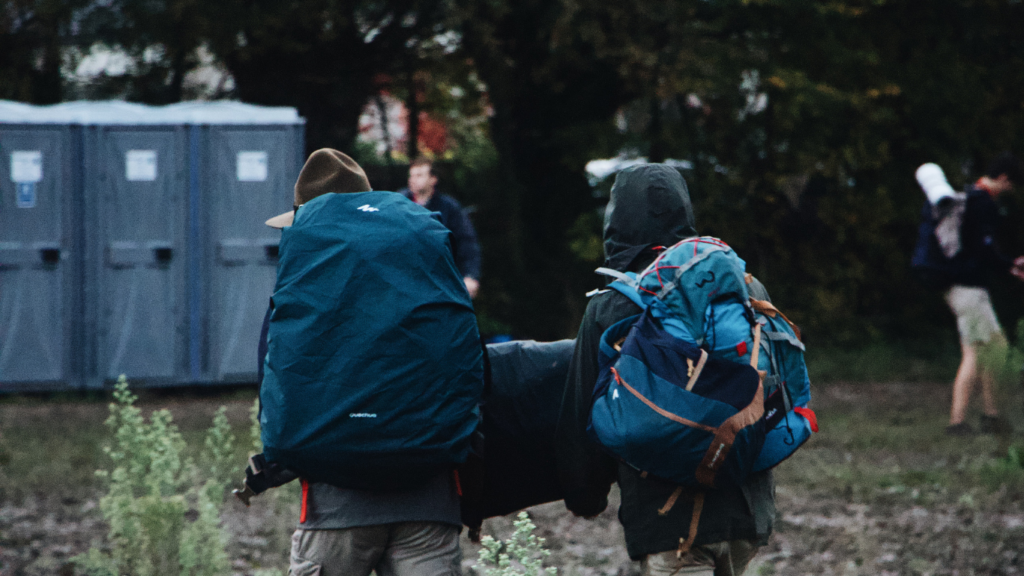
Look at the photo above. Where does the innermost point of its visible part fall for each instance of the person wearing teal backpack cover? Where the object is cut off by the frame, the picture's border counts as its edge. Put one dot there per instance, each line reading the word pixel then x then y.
pixel 649 210
pixel 373 377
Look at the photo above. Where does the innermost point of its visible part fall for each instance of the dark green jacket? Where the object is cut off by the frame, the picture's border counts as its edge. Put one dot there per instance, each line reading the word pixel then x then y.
pixel 650 207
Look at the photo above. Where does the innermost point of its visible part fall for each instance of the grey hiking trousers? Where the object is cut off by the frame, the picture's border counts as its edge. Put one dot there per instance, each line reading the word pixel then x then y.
pixel 400 549
pixel 717 559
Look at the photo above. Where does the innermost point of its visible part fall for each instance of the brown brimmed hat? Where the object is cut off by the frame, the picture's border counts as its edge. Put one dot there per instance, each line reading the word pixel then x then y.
pixel 326 170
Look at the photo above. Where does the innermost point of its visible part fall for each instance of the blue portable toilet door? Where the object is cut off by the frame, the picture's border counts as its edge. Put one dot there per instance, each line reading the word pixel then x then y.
pixel 249 176
pixel 139 188
pixel 38 268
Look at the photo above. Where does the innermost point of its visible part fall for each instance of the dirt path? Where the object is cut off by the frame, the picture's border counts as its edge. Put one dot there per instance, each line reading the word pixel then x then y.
pixel 880 491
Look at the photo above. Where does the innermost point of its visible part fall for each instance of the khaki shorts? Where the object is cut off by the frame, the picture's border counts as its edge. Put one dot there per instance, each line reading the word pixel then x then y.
pixel 401 549
pixel 717 559
pixel 975 319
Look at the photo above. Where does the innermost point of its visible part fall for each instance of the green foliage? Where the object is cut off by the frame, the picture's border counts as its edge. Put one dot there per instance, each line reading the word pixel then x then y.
pixel 803 121
pixel 1005 471
pixel 886 360
pixel 521 555
pixel 163 43
pixel 153 490
pixel 585 239
pixel 1002 361
pixel 218 451
pixel 281 501
pixel 33 34
pixel 326 58
pixel 255 435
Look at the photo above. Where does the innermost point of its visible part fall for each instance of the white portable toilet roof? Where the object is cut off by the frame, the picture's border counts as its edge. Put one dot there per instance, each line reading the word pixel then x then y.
pixel 117 112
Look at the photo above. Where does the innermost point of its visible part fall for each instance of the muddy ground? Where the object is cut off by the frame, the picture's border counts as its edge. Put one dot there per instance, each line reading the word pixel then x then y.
pixel 881 490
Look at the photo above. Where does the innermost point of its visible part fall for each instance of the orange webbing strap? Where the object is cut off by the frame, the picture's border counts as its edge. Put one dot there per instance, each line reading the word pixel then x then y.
pixel 658 409
pixel 671 501
pixel 725 435
pixel 698 498
pixel 697 370
pixel 698 507
pixel 757 345
pixel 768 309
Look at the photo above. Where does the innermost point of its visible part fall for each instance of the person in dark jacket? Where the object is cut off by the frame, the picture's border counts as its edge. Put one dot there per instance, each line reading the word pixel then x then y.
pixel 968 297
pixel 343 532
pixel 465 247
pixel 649 209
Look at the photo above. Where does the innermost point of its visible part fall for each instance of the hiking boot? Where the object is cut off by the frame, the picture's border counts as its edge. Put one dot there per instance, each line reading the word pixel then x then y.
pixel 995 425
pixel 962 429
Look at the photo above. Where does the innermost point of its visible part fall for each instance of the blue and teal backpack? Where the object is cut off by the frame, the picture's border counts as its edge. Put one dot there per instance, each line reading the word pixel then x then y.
pixel 707 384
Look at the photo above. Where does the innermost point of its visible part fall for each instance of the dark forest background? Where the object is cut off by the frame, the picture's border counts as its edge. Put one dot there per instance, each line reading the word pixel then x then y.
pixel 801 122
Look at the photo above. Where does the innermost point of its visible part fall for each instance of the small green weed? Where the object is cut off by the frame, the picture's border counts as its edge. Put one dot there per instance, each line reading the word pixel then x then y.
pixel 1008 470
pixel 162 509
pixel 1004 361
pixel 521 555
pixel 283 501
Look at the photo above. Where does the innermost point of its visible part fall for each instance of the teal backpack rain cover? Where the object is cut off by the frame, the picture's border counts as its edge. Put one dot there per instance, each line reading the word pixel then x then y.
pixel 374 369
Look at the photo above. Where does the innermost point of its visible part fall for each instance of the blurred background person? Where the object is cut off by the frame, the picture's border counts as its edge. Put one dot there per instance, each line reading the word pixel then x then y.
pixel 422 190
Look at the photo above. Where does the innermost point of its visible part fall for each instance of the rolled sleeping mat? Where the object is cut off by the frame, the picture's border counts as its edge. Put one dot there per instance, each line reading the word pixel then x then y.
pixel 933 181
pixel 517 467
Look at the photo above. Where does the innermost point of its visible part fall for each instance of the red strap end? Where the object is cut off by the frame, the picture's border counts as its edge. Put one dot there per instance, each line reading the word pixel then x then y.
pixel 458 485
pixel 809 414
pixel 305 501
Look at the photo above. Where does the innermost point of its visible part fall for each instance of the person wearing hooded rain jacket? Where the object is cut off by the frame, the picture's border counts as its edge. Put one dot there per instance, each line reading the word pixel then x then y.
pixel 650 208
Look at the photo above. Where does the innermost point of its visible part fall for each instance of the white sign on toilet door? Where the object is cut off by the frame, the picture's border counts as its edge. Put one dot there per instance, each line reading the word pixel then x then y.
pixel 140 165
pixel 26 166
pixel 252 166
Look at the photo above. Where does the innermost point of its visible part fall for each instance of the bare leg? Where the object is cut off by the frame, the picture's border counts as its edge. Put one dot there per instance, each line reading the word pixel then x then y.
pixel 963 384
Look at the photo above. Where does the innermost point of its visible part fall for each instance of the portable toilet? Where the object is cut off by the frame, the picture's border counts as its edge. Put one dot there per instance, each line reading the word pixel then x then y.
pixel 41 253
pixel 246 173
pixel 177 264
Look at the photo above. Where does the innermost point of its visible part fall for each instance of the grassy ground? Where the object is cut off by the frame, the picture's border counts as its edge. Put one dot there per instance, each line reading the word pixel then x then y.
pixel 881 490
pixel 934 360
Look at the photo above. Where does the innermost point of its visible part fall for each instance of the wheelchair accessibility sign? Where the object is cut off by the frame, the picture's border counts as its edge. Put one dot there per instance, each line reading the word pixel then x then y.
pixel 26 195
pixel 26 173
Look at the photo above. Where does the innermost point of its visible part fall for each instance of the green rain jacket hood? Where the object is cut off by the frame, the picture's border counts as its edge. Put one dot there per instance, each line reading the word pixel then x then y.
pixel 649 206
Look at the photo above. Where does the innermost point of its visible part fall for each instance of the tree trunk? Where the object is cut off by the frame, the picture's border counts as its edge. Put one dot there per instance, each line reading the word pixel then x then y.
pixel 382 109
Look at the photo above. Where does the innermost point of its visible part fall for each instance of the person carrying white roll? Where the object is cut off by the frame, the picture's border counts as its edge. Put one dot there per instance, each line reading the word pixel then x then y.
pixel 957 252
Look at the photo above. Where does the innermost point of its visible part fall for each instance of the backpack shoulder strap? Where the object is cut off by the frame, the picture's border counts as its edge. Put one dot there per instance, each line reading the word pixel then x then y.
pixel 625 277
pixel 629 292
pixel 625 284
